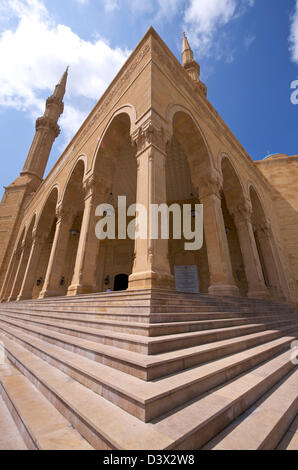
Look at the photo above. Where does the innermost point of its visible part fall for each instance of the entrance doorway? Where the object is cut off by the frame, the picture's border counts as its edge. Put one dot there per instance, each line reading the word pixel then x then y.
pixel 121 282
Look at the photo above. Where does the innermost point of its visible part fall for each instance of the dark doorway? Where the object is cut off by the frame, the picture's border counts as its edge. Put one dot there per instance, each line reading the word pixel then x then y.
pixel 121 282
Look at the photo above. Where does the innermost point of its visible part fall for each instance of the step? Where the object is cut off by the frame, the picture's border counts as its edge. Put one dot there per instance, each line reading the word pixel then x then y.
pixel 152 367
pixel 133 317
pixel 265 424
pixel 143 329
pixel 41 425
pixel 145 345
pixel 10 437
pixel 290 440
pixel 195 424
pixel 189 427
pixel 101 423
pixel 146 400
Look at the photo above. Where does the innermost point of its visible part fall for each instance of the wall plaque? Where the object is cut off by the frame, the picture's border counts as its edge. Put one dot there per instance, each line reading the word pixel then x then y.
pixel 187 279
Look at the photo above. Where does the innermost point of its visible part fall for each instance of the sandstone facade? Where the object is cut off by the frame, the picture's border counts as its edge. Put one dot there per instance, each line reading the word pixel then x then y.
pixel 154 137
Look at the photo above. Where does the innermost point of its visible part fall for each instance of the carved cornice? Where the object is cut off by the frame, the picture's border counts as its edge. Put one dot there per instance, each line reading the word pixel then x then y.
pixel 47 123
pixel 150 135
pixel 53 100
pixel 201 88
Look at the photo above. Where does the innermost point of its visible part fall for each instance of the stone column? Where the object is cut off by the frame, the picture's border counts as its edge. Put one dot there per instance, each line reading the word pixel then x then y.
pixel 20 272
pixel 83 281
pixel 151 264
pixel 57 257
pixel 269 251
pixel 222 281
pixel 253 269
pixel 30 272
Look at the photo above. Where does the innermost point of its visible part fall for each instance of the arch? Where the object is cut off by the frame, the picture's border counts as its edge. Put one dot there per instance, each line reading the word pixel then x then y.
pixel 21 238
pixel 233 195
pixel 182 121
pixel 259 213
pixel 31 226
pixel 233 186
pixel 12 268
pixel 77 166
pixel 49 205
pixel 127 110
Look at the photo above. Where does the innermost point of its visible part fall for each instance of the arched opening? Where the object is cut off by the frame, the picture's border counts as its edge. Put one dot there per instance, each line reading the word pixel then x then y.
pixel 73 206
pixel 260 226
pixel 231 197
pixel 46 227
pixel 116 167
pixel 13 267
pixel 187 154
pixel 120 282
pixel 23 261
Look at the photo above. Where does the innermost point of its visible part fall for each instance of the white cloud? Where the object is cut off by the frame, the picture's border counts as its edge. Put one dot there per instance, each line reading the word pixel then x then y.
pixel 249 40
pixel 167 8
pixel 294 35
pixel 111 5
pixel 34 55
pixel 204 20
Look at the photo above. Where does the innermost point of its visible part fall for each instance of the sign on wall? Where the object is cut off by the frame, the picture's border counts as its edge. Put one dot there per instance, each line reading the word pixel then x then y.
pixel 187 279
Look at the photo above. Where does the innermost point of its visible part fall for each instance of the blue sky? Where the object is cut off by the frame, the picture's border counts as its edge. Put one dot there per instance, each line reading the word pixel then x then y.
pixel 247 49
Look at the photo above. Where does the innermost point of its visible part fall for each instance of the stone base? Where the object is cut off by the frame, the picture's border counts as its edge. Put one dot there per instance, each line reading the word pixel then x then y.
pixel 78 289
pixel 24 297
pixel 259 295
pixel 151 280
pixel 224 291
pixel 48 294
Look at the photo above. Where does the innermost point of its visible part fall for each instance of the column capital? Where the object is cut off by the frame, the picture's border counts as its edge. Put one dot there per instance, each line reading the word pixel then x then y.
pixel 150 134
pixel 63 214
pixel 264 228
pixel 209 184
pixel 89 186
pixel 38 237
pixel 242 212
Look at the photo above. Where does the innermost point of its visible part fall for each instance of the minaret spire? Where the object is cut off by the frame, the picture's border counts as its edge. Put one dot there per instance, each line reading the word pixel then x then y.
pixel 61 86
pixel 188 62
pixel 191 66
pixel 47 130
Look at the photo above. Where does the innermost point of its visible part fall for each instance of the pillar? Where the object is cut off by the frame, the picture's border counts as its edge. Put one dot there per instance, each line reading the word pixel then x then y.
pixel 21 268
pixel 84 277
pixel 151 264
pixel 269 251
pixel 10 275
pixel 222 281
pixel 55 268
pixel 253 269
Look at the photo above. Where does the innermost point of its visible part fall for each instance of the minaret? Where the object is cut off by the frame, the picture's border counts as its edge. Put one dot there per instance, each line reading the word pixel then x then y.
pixel 191 66
pixel 47 130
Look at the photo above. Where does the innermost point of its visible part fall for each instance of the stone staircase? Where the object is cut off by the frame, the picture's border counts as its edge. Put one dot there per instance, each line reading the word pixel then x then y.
pixel 148 370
